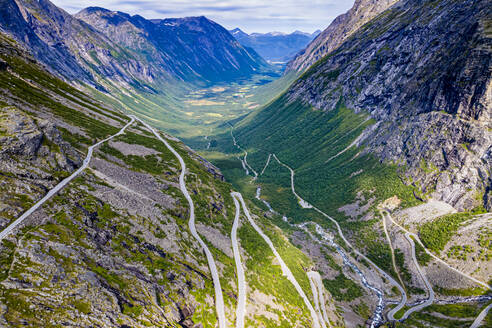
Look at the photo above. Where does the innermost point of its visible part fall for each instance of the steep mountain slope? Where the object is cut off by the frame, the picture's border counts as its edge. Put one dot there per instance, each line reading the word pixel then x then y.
pixel 339 30
pixel 275 47
pixel 420 74
pixel 113 247
pixel 147 67
pixel 47 31
pixel 190 48
pixel 143 55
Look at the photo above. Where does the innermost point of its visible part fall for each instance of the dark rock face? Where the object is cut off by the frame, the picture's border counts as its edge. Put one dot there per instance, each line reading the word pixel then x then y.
pixel 422 69
pixel 411 60
pixel 3 65
pixel 47 47
pixel 40 142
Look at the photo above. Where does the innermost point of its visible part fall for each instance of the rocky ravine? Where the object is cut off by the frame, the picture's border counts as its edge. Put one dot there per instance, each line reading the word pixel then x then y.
pixel 422 71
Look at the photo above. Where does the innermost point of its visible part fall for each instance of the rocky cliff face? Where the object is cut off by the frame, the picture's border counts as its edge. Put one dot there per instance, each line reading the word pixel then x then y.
pixel 48 47
pixel 67 46
pixel 339 30
pixel 422 70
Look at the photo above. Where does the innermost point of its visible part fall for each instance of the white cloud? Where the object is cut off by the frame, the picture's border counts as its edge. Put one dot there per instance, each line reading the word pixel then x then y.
pixel 250 15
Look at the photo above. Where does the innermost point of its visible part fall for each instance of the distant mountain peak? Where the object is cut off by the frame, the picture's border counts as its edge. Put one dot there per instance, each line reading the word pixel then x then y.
pixel 274 46
pixel 338 31
pixel 237 30
pixel 93 10
pixel 300 32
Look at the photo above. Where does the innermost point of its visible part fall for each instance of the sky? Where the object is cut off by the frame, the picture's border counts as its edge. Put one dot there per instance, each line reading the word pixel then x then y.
pixel 249 15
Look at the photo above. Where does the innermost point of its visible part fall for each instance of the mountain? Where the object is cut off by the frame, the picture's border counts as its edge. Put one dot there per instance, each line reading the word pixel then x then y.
pixel 113 247
pixel 190 48
pixel 411 88
pixel 365 183
pixel 339 30
pixel 112 49
pixel 275 46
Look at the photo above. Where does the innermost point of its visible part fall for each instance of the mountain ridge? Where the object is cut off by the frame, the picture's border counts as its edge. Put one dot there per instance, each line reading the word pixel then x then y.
pixel 339 30
pixel 91 55
pixel 275 46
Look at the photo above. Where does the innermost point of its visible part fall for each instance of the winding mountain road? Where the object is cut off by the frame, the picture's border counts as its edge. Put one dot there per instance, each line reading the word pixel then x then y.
pixel 306 205
pixel 219 300
pixel 285 269
pixel 244 161
pixel 393 259
pixel 5 232
pixel 408 235
pixel 481 283
pixel 319 297
pixel 241 281
pixel 266 164
pixel 478 321
pixel 431 294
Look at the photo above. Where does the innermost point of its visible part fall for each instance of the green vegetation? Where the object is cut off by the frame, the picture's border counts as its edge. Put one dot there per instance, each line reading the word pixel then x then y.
pixel 309 141
pixel 83 307
pixel 343 288
pixel 485 242
pixel 422 257
pixel 35 93
pixel 263 276
pixel 474 291
pixel 435 234
pixel 156 164
pixel 132 310
pixel 7 250
pixel 464 310
pixel 405 274
pixel 460 252
pixel 76 140
pixel 418 318
pixel 444 316
pixel 151 163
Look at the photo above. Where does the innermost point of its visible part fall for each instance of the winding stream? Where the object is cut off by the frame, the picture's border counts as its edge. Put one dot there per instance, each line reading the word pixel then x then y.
pixel 378 312
pixel 377 317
